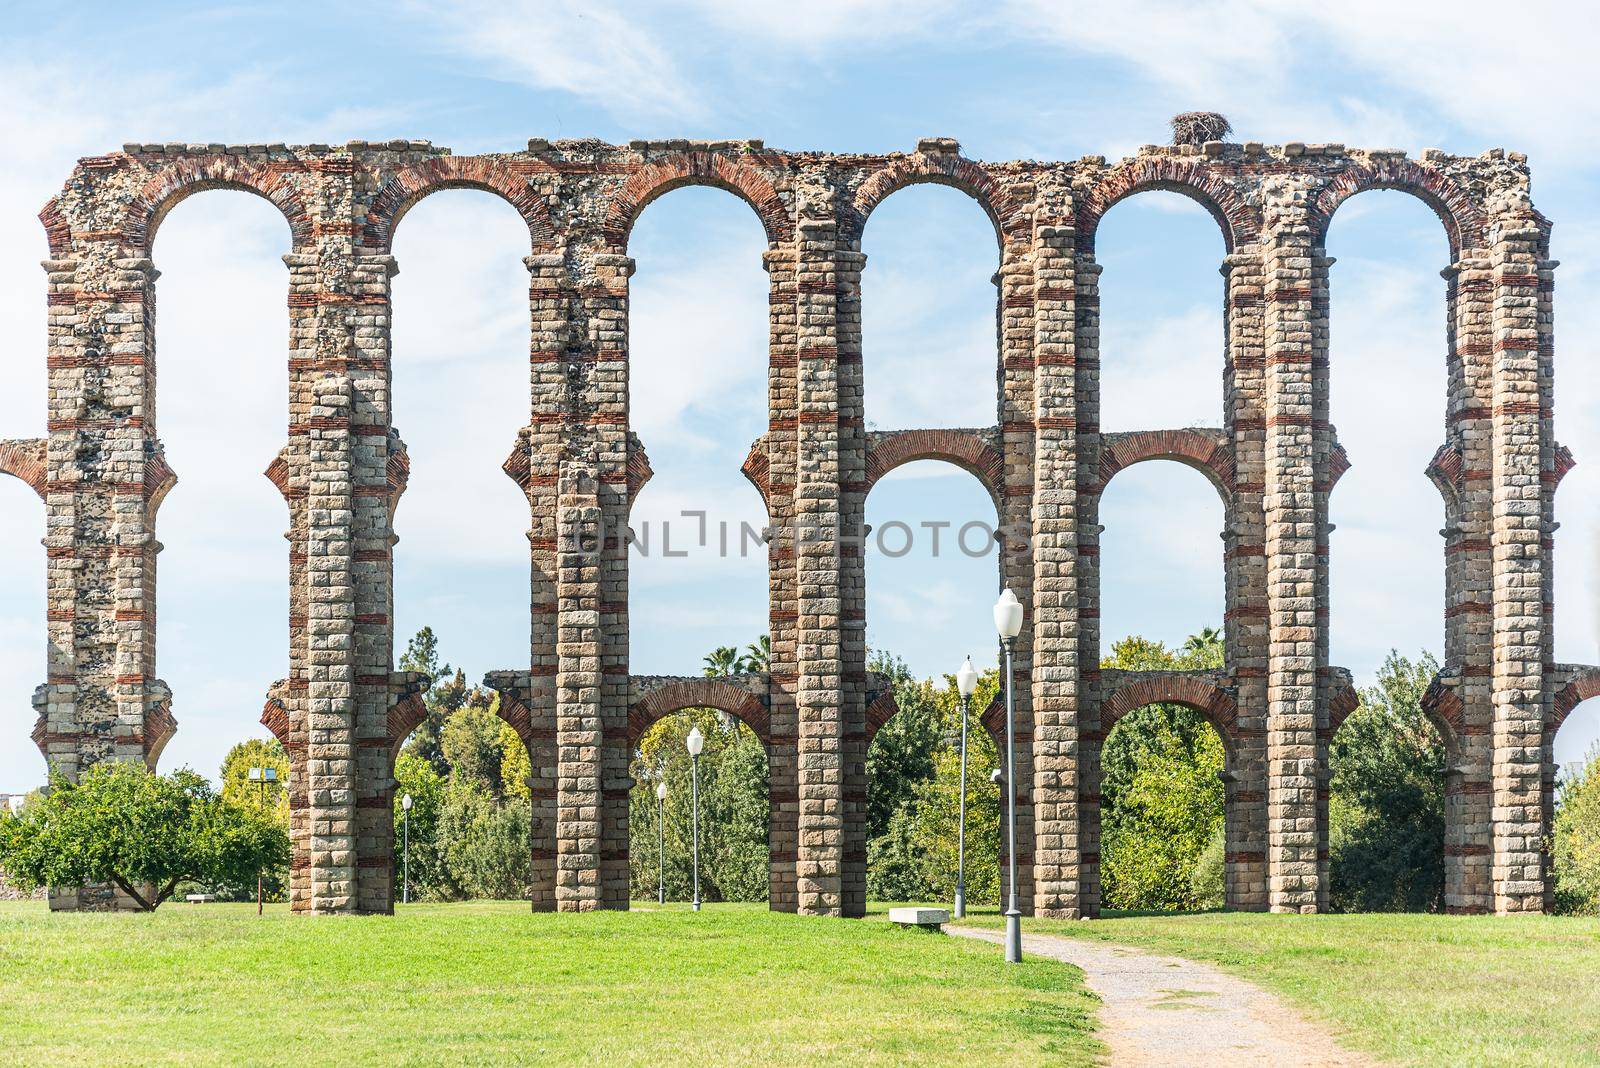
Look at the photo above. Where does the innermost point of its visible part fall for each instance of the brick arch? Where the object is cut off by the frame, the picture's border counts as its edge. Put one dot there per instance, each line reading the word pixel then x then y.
pixel 757 468
pixel 1345 700
pixel 406 187
pixel 1441 703
pixel 1240 222
pixel 970 450
pixel 1178 688
pixel 715 169
pixel 25 460
pixel 1463 223
pixel 880 711
pixel 1009 218
pixel 1584 686
pixel 1207 451
pixel 179 179
pixel 699 693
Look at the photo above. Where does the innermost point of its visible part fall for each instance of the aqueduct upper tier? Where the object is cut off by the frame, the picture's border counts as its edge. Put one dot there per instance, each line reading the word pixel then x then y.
pixel 1273 456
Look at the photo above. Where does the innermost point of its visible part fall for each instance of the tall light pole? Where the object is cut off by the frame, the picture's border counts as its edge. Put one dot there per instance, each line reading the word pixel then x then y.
pixel 661 826
pixel 1008 623
pixel 262 775
pixel 696 742
pixel 966 682
pixel 405 851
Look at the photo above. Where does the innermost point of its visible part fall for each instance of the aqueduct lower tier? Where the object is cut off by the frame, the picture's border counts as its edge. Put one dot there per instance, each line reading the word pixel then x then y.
pixel 1274 459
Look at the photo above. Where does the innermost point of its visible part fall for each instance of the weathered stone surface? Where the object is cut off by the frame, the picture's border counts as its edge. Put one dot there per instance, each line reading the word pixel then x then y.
pixel 1274 460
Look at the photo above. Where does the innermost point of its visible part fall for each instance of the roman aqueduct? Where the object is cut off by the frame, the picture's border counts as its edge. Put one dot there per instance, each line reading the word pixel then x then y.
pixel 1274 460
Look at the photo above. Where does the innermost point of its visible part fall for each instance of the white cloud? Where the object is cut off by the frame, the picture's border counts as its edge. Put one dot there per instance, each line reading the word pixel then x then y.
pixel 599 54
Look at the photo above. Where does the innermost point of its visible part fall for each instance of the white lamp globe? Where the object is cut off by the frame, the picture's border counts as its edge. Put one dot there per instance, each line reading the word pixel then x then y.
pixel 696 741
pixel 405 802
pixel 967 678
pixel 661 791
pixel 1008 615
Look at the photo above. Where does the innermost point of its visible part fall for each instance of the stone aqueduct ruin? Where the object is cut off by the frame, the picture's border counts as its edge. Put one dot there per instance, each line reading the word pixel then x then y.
pixel 1274 460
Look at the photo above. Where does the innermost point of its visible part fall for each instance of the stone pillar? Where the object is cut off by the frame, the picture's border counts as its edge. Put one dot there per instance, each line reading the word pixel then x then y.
pixel 1066 847
pixel 1245 626
pixel 852 474
pixel 819 696
pixel 1520 432
pixel 579 710
pixel 105 474
pixel 1293 526
pixel 778 462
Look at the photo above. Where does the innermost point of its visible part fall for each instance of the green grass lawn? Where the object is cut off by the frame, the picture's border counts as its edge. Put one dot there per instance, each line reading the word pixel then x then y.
pixel 1436 990
pixel 493 983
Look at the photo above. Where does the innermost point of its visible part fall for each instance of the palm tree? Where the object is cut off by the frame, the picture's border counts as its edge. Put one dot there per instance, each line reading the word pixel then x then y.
pixel 758 655
pixel 1205 647
pixel 723 660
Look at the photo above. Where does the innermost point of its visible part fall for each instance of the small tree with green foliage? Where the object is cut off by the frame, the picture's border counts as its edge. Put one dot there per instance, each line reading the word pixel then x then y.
pixel 1576 846
pixel 1386 797
pixel 142 832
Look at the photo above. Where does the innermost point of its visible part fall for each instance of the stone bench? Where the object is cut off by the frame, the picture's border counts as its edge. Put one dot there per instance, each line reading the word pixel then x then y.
pixel 199 899
pixel 930 919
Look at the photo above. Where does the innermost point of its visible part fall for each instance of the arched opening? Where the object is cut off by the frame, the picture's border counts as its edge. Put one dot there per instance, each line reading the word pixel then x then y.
pixel 929 311
pixel 697 575
pixel 464 756
pixel 1392 774
pixel 1161 326
pixel 1574 820
pixel 460 395
pixel 1181 809
pixel 931 567
pixel 734 810
pixel 1387 584
pixel 222 341
pixel 697 372
pixel 22 629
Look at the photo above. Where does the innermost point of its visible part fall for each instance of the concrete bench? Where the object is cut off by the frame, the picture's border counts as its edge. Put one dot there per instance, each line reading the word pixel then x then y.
pixel 932 919
pixel 199 899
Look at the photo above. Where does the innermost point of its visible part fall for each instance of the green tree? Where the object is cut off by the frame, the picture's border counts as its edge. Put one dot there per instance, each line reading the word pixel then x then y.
pixel 1576 847
pixel 758 654
pixel 1386 797
pixel 447 692
pixel 474 745
pixel 430 876
pixel 723 660
pixel 733 809
pixel 271 798
pixel 142 832
pixel 916 857
pixel 1161 797
pixel 901 755
pixel 485 842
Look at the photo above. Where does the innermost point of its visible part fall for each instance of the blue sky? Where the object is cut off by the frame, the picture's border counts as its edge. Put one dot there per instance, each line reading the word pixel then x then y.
pixel 1009 79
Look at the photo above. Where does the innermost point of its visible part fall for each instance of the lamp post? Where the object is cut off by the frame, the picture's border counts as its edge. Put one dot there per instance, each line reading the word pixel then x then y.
pixel 405 850
pixel 1008 624
pixel 661 826
pixel 262 775
pixel 966 682
pixel 696 742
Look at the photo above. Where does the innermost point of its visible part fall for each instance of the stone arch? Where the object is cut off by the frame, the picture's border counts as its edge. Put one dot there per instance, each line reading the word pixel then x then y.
pixel 177 180
pixel 715 169
pixel 1584 685
pixel 1192 691
pixel 408 186
pixel 1206 451
pixel 1463 223
pixel 25 460
pixel 1010 219
pixel 1239 221
pixel 676 695
pixel 974 451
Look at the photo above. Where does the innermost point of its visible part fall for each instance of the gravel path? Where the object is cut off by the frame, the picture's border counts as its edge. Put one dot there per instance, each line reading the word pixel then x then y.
pixel 1167 1011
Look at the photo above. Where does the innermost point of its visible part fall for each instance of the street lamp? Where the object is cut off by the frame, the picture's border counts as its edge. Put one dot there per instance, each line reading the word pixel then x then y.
pixel 696 742
pixel 966 682
pixel 1008 624
pixel 405 850
pixel 661 826
pixel 262 775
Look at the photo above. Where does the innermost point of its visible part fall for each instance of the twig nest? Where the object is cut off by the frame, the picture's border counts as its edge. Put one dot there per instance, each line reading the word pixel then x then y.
pixel 1198 127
